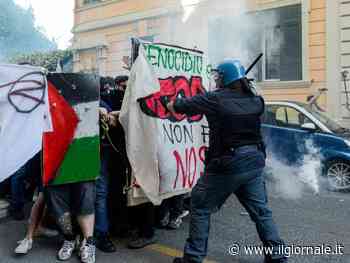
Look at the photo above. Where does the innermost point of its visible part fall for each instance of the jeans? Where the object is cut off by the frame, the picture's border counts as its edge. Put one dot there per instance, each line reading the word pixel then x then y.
pixel 18 189
pixel 101 205
pixel 239 173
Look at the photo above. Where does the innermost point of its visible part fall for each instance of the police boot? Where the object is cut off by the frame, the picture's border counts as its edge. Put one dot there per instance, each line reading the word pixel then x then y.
pixel 276 254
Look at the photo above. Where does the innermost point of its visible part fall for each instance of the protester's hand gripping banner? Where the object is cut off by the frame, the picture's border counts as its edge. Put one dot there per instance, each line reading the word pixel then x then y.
pixel 71 150
pixel 166 151
pixel 24 115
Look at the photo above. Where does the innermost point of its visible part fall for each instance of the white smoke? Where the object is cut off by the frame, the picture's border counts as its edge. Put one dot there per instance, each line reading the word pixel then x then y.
pixel 189 7
pixel 2 56
pixel 291 182
pixel 220 28
pixel 229 29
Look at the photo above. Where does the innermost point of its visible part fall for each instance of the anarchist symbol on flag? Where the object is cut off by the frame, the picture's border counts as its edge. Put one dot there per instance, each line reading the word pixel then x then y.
pixel 25 115
pixel 27 87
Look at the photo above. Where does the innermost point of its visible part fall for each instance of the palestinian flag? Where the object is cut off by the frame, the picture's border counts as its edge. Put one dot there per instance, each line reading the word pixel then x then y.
pixel 71 150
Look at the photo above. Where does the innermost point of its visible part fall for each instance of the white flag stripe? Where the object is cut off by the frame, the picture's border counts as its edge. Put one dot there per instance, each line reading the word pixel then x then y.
pixel 88 125
pixel 20 133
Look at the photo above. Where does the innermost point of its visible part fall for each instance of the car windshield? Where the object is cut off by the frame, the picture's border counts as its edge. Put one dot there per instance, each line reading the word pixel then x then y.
pixel 322 117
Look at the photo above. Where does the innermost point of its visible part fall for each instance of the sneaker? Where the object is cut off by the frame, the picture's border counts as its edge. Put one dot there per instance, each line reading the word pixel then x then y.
pixel 141 242
pixel 105 244
pixel 184 214
pixel 88 251
pixel 67 250
pixel 24 246
pixel 175 223
pixel 46 232
pixel 275 256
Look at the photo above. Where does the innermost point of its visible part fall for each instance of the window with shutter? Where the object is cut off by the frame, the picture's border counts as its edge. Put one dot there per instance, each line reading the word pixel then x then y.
pixel 275 32
pixel 291 44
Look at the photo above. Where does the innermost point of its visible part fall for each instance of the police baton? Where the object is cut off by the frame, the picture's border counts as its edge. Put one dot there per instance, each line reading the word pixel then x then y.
pixel 254 63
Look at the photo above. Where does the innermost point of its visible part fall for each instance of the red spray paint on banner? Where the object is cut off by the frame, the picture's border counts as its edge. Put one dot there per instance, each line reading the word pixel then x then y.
pixel 186 166
pixel 172 88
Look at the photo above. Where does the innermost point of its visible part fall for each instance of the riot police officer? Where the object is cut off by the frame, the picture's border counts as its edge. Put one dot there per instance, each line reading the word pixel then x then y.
pixel 234 161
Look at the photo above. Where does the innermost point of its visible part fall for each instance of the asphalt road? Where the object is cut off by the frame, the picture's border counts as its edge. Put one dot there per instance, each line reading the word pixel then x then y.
pixel 311 220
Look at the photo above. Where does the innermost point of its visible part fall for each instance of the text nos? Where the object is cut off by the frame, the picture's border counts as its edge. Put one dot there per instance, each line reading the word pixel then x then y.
pixel 189 166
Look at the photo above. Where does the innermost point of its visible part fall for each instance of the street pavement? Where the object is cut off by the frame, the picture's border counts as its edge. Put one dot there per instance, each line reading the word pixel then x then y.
pixel 311 220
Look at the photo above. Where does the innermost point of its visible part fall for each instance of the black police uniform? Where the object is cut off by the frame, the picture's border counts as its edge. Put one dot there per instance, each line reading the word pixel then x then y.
pixel 234 164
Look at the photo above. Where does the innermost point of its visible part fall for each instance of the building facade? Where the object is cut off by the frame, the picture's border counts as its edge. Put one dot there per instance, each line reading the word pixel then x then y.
pixel 306 42
pixel 338 59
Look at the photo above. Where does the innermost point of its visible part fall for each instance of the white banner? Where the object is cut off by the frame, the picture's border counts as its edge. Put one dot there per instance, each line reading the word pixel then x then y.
pixel 24 115
pixel 166 151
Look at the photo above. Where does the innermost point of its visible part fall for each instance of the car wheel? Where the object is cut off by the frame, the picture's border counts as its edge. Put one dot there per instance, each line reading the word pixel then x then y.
pixel 338 175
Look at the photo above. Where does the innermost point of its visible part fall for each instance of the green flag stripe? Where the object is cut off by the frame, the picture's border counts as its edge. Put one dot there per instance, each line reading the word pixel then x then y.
pixel 81 163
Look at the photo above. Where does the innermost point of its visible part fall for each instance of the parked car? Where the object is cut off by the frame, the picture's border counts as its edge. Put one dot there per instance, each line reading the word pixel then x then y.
pixel 288 125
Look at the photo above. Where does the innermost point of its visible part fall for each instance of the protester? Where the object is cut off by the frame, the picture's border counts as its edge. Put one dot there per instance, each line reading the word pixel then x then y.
pixel 103 242
pixel 234 161
pixel 120 214
pixel 118 95
pixel 35 226
pixel 107 89
pixel 69 202
pixel 121 82
pixel 17 201
pixel 144 223
pixel 22 184
pixel 38 212
pixel 143 226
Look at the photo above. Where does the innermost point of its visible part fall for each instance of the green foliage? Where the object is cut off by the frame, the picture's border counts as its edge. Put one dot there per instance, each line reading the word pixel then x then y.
pixel 46 60
pixel 18 33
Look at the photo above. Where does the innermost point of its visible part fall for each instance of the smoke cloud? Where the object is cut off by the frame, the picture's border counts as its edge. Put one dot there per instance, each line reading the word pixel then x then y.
pixel 291 182
pixel 221 28
pixel 230 29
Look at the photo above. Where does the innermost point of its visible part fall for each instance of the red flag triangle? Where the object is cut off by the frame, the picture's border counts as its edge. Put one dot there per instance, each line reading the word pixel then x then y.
pixel 56 143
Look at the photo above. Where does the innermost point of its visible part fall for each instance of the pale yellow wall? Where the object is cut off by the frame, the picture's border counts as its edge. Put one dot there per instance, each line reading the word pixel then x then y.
pixel 297 94
pixel 87 62
pixel 112 8
pixel 117 39
pixel 317 45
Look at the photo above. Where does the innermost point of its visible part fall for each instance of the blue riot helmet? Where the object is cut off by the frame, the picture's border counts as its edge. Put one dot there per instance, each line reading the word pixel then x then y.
pixel 229 71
